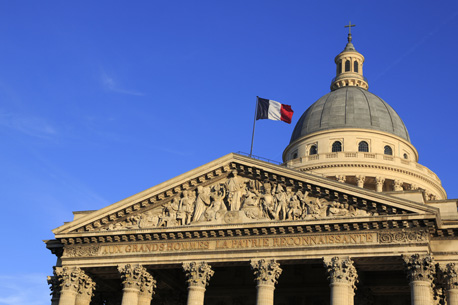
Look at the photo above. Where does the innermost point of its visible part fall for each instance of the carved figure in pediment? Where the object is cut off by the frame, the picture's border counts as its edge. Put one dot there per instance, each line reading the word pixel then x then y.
pixel 149 219
pixel 217 208
pixel 169 213
pixel 186 207
pixel 267 201
pixel 251 205
pixel 280 198
pixel 234 187
pixel 132 222
pixel 337 209
pixel 316 208
pixel 294 208
pixel 203 202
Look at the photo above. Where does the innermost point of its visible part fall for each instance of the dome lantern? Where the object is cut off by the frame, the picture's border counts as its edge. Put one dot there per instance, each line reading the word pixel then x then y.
pixel 349 70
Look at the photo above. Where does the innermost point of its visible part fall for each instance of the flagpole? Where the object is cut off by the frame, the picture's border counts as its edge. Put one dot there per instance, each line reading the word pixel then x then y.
pixel 254 124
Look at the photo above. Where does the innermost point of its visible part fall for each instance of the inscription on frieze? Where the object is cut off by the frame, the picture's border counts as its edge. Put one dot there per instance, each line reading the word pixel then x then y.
pixel 225 244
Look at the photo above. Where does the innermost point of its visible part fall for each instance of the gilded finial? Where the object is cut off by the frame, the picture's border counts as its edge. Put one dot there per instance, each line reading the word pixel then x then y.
pixel 349 26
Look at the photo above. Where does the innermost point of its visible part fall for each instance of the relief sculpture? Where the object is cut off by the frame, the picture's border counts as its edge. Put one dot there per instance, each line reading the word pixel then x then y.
pixel 239 199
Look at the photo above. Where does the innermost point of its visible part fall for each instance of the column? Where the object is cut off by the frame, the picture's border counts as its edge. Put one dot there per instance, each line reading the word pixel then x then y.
pixel 53 280
pixel 397 185
pixel 341 178
pixel 343 278
pixel 68 278
pixel 379 183
pixel 360 180
pixel 86 289
pixel 131 277
pixel 450 273
pixel 266 274
pixel 420 272
pixel 198 275
pixel 146 289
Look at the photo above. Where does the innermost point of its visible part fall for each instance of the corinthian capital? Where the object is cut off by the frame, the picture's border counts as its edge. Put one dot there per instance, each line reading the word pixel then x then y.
pixel 131 275
pixel 419 267
pixel 86 286
pixel 69 277
pixel 266 272
pixel 54 283
pixel 341 270
pixel 148 284
pixel 198 273
pixel 450 274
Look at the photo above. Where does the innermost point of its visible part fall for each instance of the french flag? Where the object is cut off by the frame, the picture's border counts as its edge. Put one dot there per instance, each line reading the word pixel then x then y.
pixel 272 110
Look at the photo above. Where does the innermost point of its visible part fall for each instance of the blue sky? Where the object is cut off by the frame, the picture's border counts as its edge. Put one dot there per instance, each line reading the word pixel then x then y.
pixel 100 100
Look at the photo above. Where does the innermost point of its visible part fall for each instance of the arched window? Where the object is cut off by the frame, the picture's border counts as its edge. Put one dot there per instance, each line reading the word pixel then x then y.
pixel 313 150
pixel 405 156
pixel 363 146
pixel 336 146
pixel 340 68
pixel 355 67
pixel 295 155
pixel 388 150
pixel 347 65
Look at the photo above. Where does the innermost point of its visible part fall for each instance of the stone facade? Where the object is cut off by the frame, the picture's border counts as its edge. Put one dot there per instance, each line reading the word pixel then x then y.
pixel 340 228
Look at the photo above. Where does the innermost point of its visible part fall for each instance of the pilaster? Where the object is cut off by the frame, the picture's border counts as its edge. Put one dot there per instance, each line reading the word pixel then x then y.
pixel 198 275
pixel 397 185
pixel 343 278
pixel 341 178
pixel 266 274
pixel 420 273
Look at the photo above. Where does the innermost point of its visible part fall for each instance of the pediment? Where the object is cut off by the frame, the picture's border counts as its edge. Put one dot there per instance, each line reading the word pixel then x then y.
pixel 235 190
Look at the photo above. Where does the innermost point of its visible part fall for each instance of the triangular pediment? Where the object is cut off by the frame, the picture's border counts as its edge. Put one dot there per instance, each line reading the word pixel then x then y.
pixel 235 190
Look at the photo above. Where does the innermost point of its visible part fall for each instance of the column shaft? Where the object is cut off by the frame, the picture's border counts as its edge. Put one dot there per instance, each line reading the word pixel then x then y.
pixel 144 300
pixel 265 294
pixel 339 293
pixel 452 296
pixel 196 295
pixel 67 297
pixel 129 296
pixel 83 300
pixel 420 293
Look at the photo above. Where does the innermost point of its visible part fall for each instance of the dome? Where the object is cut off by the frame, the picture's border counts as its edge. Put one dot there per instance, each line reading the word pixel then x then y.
pixel 350 107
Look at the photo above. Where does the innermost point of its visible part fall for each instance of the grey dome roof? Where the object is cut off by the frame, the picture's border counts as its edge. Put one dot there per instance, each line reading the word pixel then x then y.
pixel 350 107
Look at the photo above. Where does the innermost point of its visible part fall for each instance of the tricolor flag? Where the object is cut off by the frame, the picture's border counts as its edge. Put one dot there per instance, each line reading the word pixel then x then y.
pixel 272 110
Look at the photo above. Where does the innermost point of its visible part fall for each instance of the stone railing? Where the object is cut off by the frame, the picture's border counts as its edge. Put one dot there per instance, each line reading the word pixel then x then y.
pixel 366 158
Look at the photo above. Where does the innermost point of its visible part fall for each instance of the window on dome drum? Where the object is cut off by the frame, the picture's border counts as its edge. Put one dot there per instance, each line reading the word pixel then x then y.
pixel 295 155
pixel 340 68
pixel 355 66
pixel 388 150
pixel 363 146
pixel 313 150
pixel 405 156
pixel 336 146
pixel 347 65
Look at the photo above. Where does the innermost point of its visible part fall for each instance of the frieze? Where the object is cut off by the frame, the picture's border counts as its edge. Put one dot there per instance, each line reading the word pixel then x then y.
pixel 403 236
pixel 74 251
pixel 241 200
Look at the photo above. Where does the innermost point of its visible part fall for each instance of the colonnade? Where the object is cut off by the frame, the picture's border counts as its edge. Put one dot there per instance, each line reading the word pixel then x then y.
pixel 72 286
